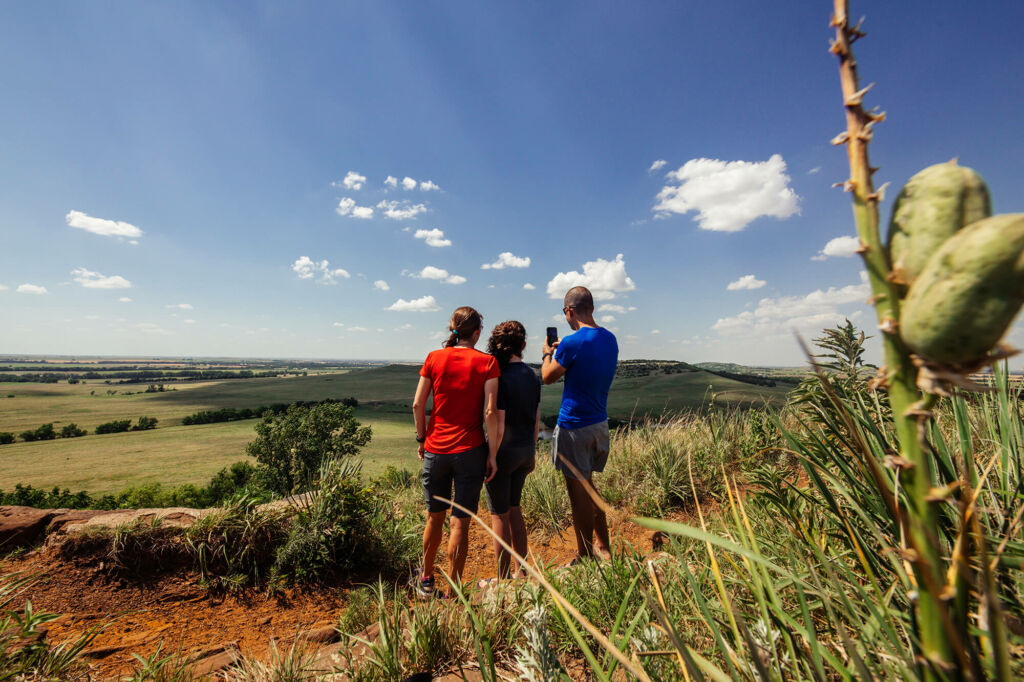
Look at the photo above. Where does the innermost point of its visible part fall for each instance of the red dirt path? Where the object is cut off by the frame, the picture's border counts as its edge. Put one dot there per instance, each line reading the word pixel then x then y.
pixel 177 611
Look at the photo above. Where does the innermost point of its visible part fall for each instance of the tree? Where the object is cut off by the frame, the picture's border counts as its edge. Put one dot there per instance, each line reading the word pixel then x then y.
pixel 6 437
pixel 72 431
pixel 290 447
pixel 145 424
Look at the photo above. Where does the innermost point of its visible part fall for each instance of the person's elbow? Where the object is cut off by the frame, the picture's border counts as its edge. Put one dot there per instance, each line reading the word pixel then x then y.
pixel 418 405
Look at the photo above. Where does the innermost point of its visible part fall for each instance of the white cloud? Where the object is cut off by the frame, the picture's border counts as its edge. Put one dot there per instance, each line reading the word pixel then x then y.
pixel 352 181
pixel 124 299
pixel 31 289
pixel 94 280
pixel 150 328
pixel 391 181
pixel 306 268
pixel 3 287
pixel 425 304
pixel 840 247
pixel 180 306
pixel 657 166
pixel 611 308
pixel 401 210
pixel 606 319
pixel 746 282
pixel 440 274
pixel 404 327
pixel 529 287
pixel 728 195
pixel 101 226
pixel 382 285
pixel 408 183
pixel 358 329
pixel 507 259
pixel 434 237
pixel 189 321
pixel 429 186
pixel 338 324
pixel 655 332
pixel 809 313
pixel 604 279
pixel 815 170
pixel 347 207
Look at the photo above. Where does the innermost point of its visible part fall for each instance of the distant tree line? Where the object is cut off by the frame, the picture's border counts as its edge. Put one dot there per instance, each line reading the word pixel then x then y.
pixel 72 430
pixel 231 414
pixel 49 376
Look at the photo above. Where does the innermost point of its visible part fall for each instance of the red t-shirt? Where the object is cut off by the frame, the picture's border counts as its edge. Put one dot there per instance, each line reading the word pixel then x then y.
pixel 457 376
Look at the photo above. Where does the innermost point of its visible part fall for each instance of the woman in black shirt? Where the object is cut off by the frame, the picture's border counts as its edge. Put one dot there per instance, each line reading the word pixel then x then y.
pixel 519 410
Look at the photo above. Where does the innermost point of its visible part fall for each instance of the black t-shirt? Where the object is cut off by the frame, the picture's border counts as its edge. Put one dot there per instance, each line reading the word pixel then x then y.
pixel 518 395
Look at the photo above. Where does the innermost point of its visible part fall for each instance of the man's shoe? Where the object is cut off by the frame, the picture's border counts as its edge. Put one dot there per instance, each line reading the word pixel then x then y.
pixel 424 587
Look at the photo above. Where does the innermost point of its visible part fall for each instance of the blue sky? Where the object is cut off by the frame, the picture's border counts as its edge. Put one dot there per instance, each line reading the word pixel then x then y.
pixel 192 157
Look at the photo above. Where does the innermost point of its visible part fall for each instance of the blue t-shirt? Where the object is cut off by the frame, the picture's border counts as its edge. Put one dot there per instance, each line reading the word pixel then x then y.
pixel 589 356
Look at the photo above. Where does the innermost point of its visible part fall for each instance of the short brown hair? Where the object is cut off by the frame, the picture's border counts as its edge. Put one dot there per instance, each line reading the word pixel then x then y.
pixel 580 299
pixel 507 339
pixel 463 324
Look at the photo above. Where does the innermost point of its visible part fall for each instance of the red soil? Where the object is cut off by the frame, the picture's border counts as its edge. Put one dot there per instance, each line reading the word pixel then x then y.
pixel 185 617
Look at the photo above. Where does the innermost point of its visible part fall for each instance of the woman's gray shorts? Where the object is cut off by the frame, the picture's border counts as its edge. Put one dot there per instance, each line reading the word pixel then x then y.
pixel 586 448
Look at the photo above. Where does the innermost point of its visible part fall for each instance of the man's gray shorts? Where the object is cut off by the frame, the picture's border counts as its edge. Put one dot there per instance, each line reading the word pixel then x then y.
pixel 585 448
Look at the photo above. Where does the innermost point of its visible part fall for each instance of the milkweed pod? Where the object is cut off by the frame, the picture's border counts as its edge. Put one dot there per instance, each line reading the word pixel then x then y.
pixel 968 293
pixel 934 205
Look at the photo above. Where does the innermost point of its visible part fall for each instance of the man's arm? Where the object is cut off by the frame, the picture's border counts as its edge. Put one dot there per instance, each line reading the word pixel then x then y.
pixel 419 411
pixel 550 370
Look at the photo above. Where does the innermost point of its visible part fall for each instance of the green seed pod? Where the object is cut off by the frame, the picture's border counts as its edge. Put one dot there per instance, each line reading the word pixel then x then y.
pixel 933 206
pixel 968 293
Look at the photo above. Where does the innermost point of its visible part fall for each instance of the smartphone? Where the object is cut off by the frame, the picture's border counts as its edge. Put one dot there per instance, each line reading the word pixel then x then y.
pixel 552 335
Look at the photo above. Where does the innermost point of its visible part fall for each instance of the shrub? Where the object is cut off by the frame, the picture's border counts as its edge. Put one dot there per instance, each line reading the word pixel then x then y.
pixel 116 426
pixel 290 448
pixel 6 437
pixel 145 424
pixel 72 431
pixel 44 432
pixel 237 542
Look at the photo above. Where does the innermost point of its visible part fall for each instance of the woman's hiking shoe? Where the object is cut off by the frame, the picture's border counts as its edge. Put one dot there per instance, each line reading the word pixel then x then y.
pixel 423 587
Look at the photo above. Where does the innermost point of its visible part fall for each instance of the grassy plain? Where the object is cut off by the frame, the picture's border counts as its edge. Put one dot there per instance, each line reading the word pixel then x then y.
pixel 173 454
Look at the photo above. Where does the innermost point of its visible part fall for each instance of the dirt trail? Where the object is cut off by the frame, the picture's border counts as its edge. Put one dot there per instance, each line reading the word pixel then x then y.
pixel 177 611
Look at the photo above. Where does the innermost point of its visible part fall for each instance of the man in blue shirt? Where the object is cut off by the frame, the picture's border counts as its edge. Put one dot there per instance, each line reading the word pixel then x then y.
pixel 587 359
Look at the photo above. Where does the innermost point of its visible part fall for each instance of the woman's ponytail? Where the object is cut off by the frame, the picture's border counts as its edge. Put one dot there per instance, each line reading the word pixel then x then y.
pixel 462 325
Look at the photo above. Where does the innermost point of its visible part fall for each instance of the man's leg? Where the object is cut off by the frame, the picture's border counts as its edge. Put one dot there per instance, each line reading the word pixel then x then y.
pixel 500 526
pixel 603 546
pixel 458 546
pixel 517 528
pixel 582 516
pixel 432 541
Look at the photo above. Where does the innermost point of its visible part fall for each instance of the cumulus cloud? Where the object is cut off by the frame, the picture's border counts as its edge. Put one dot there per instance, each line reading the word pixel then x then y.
pixel 408 183
pixel 604 279
pixel 611 308
pixel 347 207
pixel 429 186
pixel 840 247
pixel 3 287
pixel 728 195
pixel 655 332
pixel 657 166
pixel 401 210
pixel 529 287
pixel 507 259
pixel 810 313
pixel 124 299
pixel 306 268
pixel 338 324
pixel 425 304
pixel 352 181
pixel 440 274
pixel 606 319
pixel 382 285
pixel 101 226
pixel 31 289
pixel 94 280
pixel 391 181
pixel 180 306
pixel 358 329
pixel 434 237
pixel 746 282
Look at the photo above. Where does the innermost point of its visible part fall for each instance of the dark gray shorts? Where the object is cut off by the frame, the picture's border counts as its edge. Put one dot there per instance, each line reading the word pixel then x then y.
pixel 506 488
pixel 463 469
pixel 586 448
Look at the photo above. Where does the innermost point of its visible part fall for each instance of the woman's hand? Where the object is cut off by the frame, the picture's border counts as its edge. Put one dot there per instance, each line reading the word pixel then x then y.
pixel 492 468
pixel 420 449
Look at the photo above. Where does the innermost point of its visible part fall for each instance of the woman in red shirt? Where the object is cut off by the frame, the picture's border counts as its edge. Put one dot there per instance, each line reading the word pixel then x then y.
pixel 452 446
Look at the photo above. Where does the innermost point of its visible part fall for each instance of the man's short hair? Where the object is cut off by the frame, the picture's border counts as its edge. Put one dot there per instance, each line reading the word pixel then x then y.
pixel 580 299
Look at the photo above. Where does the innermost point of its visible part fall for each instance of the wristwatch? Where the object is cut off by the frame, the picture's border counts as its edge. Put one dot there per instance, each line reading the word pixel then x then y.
pixel 421 439
pixel 546 355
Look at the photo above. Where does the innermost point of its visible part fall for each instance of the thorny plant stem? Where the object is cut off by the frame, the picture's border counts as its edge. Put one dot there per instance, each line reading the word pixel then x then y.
pixel 933 624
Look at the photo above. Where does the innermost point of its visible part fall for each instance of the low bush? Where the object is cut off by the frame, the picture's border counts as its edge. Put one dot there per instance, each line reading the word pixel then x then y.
pixel 72 430
pixel 6 437
pixel 44 432
pixel 145 424
pixel 116 426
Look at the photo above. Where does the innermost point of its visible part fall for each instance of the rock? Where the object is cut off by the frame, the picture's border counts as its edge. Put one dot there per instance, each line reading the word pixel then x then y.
pixel 323 635
pixel 102 651
pixel 213 664
pixel 22 526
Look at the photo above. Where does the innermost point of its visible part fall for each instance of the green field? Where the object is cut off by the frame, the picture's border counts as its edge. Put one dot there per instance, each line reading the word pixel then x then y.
pixel 173 454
